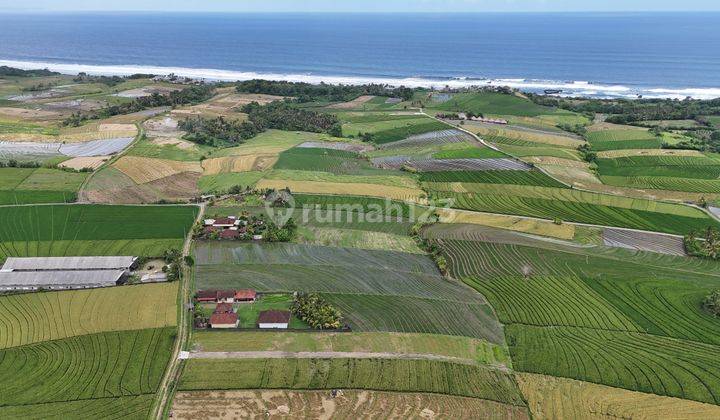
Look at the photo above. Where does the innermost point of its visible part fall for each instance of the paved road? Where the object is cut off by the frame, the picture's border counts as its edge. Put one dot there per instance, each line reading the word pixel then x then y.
pixel 325 355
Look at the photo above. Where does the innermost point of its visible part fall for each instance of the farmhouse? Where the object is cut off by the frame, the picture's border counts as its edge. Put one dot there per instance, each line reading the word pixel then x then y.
pixel 274 319
pixel 225 296
pixel 223 308
pixel 245 295
pixel 224 320
pixel 57 273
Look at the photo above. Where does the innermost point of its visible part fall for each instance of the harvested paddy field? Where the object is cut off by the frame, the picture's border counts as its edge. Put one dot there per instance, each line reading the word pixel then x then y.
pixel 355 238
pixel 180 187
pixel 80 163
pixel 244 163
pixel 351 404
pixel 142 170
pixel 554 398
pixel 369 374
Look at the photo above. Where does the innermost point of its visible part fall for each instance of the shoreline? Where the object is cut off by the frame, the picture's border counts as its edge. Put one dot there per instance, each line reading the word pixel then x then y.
pixel 569 88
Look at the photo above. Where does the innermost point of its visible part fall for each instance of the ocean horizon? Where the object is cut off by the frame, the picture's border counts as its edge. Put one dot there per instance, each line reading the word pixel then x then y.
pixel 656 55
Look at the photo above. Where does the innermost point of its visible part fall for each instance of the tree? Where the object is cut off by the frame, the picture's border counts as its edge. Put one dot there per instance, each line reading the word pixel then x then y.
pixel 711 303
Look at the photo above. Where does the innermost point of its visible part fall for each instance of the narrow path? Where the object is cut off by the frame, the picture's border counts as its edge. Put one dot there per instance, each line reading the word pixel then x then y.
pixel 172 373
pixel 326 355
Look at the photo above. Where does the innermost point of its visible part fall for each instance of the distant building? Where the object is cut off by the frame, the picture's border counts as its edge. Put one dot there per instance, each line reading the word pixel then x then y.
pixel 224 320
pixel 204 296
pixel 225 296
pixel 58 273
pixel 245 295
pixel 274 319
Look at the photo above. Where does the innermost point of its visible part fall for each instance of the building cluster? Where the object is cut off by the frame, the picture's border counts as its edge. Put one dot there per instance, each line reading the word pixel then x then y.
pixel 234 228
pixel 464 116
pixel 57 273
pixel 224 315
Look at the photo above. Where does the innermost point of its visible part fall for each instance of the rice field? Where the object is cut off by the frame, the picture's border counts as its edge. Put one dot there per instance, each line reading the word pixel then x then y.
pixel 111 364
pixel 340 188
pixel 470 349
pixel 691 185
pixel 638 362
pixel 352 404
pixel 522 136
pixel 67 227
pixel 324 160
pixel 130 407
pixel 393 130
pixel 35 317
pixel 14 150
pixel 494 104
pixel 355 238
pixel 555 398
pixel 38 185
pixel 370 374
pixel 143 170
pixel 463 223
pixel 441 165
pixel 644 241
pixel 509 177
pixel 438 136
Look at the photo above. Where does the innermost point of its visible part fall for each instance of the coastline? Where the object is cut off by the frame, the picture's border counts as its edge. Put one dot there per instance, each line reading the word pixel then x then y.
pixel 568 88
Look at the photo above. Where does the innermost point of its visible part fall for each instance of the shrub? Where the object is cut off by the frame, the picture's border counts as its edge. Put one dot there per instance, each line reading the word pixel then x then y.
pixel 711 303
pixel 316 312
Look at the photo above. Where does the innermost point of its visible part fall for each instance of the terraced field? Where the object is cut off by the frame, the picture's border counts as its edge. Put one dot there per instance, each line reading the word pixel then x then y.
pixel 621 139
pixel 393 130
pixel 130 407
pixel 492 177
pixel 325 160
pixel 370 374
pixel 639 362
pixel 438 136
pixel 65 227
pixel 36 317
pixel 92 366
pixel 553 398
pixel 441 165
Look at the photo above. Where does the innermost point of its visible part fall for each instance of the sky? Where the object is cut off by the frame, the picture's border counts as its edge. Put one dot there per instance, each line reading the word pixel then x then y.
pixel 359 5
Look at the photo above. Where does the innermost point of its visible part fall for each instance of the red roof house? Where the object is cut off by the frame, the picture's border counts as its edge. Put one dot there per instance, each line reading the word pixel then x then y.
pixel 245 295
pixel 223 308
pixel 206 295
pixel 273 319
pixel 227 296
pixel 224 320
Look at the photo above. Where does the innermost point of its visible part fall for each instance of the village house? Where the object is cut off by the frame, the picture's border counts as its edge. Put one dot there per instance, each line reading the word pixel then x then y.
pixel 223 308
pixel 224 320
pixel 274 319
pixel 223 296
pixel 245 295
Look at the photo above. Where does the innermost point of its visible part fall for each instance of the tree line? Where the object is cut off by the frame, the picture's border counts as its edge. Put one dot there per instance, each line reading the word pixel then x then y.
pixel 307 92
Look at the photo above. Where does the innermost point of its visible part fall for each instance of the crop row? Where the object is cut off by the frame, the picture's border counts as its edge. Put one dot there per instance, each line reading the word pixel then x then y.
pixel 371 374
pixel 130 407
pixel 92 366
pixel 35 317
pixel 492 177
pixel 665 183
pixel 140 247
pixel 639 362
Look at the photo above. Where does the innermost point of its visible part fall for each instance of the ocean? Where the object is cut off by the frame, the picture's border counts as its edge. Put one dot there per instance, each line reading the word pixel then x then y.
pixel 671 55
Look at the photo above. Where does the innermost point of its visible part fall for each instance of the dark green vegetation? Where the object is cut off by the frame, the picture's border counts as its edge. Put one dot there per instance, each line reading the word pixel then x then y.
pixel 375 374
pixel 316 311
pixel 57 230
pixel 492 177
pixel 705 244
pixel 611 316
pixel 14 72
pixel 711 303
pixel 306 92
pixel 87 367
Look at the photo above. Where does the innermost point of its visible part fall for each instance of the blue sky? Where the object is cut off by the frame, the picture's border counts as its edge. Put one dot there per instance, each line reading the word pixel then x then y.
pixel 361 5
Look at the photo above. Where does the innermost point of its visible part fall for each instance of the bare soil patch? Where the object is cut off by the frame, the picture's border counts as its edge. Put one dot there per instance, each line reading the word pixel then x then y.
pixel 354 103
pixel 143 170
pixel 79 163
pixel 178 187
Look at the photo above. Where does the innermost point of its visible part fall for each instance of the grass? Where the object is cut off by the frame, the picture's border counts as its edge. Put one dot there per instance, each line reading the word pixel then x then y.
pixel 370 374
pixel 492 177
pixel 34 317
pixel 248 312
pixel 110 364
pixel 639 362
pixel 480 351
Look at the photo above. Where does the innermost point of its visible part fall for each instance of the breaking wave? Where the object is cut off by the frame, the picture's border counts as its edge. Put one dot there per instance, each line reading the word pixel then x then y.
pixel 567 88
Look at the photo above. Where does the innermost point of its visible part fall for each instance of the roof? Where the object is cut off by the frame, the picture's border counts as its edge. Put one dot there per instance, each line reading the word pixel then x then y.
pixel 224 221
pixel 274 317
pixel 245 294
pixel 225 294
pixel 207 294
pixel 229 318
pixel 223 308
pixel 88 278
pixel 226 234
pixel 69 263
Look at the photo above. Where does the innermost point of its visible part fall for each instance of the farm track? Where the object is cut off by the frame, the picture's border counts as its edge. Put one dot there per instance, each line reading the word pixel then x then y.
pixel 172 374
pixel 325 355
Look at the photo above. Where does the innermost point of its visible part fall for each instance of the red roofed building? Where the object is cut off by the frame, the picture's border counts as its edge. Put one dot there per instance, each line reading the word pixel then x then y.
pixel 223 308
pixel 206 295
pixel 245 295
pixel 224 222
pixel 224 320
pixel 274 319
pixel 225 296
